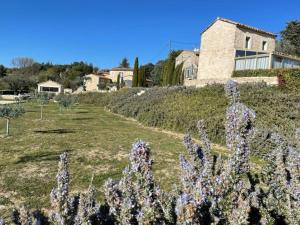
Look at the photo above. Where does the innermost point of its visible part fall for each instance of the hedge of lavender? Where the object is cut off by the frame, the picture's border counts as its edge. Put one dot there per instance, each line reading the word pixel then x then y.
pixel 213 190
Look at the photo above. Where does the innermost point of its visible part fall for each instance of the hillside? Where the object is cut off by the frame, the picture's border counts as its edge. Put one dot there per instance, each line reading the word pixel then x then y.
pixel 178 109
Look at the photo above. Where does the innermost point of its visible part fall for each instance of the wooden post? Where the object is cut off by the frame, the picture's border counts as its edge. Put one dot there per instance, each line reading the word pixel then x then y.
pixel 7 126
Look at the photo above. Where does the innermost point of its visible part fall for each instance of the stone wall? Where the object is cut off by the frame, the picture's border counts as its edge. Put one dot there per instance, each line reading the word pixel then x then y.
pixel 256 40
pixel 217 51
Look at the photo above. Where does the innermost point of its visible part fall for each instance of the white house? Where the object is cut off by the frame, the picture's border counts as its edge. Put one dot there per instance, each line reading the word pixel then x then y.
pixel 51 87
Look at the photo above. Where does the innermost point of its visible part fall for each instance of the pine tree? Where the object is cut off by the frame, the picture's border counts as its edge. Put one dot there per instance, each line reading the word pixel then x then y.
pixel 135 72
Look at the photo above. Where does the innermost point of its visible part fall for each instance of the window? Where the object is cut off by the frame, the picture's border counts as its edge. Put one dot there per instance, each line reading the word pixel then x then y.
pixel 49 89
pixel 248 43
pixel 264 46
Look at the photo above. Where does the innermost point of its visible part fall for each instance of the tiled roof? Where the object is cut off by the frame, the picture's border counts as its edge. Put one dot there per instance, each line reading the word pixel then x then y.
pixel 241 26
pixel 121 69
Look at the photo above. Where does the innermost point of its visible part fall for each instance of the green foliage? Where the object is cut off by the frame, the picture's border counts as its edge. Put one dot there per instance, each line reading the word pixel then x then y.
pixel 118 82
pixel 178 75
pixel 19 83
pixel 178 109
pixel 157 72
pixel 135 73
pixel 290 42
pixel 142 77
pixel 289 78
pixel 3 71
pixel 124 63
pixel 169 75
pixel 66 101
pixel 11 111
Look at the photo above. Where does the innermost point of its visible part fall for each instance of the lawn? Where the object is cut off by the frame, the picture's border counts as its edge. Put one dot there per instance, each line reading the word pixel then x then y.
pixel 97 141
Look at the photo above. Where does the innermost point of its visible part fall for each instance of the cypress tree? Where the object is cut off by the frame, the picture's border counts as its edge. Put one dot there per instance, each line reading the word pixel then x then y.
pixel 135 73
pixel 142 77
pixel 118 81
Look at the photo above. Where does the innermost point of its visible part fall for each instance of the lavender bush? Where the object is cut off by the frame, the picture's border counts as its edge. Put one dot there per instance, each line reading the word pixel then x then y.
pixel 213 190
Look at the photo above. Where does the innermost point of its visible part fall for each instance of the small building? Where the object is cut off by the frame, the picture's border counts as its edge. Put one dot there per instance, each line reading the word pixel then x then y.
pixel 125 73
pixel 96 82
pixel 50 87
pixel 189 60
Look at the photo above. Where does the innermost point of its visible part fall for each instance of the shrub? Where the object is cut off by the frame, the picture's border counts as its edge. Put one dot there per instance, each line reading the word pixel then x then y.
pixel 10 111
pixel 65 101
pixel 289 78
pixel 212 191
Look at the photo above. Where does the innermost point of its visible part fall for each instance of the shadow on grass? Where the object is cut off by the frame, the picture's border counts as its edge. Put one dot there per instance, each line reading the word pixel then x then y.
pixel 55 131
pixel 82 112
pixel 41 156
pixel 85 118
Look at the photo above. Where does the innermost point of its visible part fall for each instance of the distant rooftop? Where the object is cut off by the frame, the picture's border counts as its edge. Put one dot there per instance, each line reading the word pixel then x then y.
pixel 121 69
pixel 241 26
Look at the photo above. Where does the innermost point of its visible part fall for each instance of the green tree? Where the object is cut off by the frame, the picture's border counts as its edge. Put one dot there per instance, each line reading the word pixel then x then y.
pixel 118 82
pixel 3 71
pixel 10 111
pixel 124 63
pixel 122 84
pixel 157 72
pixel 290 41
pixel 178 75
pixel 43 99
pixel 135 73
pixel 65 101
pixel 142 77
pixel 169 68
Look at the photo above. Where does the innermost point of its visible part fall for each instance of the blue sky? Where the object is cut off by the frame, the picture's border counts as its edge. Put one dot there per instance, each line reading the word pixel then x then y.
pixel 103 32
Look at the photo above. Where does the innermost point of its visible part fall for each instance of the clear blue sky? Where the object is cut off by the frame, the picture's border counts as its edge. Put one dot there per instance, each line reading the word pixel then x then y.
pixel 102 32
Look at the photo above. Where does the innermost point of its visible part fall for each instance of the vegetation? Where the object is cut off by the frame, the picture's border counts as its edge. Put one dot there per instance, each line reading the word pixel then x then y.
pixel 135 78
pixel 169 76
pixel 289 78
pixel 27 73
pixel 179 108
pixel 43 99
pixel 9 112
pixel 212 190
pixel 97 143
pixel 290 38
pixel 65 101
pixel 124 63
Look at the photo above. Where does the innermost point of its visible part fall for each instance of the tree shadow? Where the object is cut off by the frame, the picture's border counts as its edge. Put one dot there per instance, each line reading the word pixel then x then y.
pixel 41 156
pixel 84 118
pixel 55 131
pixel 82 112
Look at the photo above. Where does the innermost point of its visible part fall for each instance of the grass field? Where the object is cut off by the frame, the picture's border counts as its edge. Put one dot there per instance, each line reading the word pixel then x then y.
pixel 97 141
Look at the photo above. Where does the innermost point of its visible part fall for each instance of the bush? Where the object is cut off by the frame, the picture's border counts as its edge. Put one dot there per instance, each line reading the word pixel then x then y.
pixel 289 78
pixel 212 190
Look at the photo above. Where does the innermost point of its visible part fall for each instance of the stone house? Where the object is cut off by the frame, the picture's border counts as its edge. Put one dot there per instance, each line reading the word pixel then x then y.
pixel 227 46
pixel 125 73
pixel 95 82
pixel 50 87
pixel 190 60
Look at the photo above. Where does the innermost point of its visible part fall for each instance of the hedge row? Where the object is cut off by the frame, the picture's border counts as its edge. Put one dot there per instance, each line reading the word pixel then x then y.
pixel 266 73
pixel 179 108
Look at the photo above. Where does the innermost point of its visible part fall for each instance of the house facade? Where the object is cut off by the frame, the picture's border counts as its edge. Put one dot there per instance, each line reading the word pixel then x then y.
pixel 50 87
pixel 125 73
pixel 95 82
pixel 227 46
pixel 189 60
